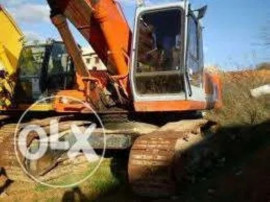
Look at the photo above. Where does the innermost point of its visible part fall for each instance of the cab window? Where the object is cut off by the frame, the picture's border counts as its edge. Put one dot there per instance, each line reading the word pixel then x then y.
pixel 60 68
pixel 158 53
pixel 193 38
pixel 194 54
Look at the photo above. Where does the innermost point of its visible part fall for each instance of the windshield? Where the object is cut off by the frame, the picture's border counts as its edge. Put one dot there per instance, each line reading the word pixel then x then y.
pixel 31 60
pixel 159 47
pixel 60 72
pixel 44 70
pixel 160 40
pixel 58 62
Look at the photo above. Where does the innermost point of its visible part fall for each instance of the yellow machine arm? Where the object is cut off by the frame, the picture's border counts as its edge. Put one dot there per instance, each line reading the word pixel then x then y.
pixel 11 42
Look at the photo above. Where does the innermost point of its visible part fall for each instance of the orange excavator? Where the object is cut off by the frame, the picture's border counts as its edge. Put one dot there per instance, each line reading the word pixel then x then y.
pixel 157 69
pixel 155 74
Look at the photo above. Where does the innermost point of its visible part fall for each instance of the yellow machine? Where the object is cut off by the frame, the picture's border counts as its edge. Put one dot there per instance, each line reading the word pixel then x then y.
pixel 9 55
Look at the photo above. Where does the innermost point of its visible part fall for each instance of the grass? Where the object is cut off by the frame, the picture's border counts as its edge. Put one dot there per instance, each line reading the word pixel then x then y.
pixel 102 183
pixel 240 108
pixel 242 143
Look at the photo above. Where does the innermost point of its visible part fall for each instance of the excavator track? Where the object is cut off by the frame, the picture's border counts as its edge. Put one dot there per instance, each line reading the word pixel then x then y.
pixel 45 169
pixel 160 160
pixel 50 168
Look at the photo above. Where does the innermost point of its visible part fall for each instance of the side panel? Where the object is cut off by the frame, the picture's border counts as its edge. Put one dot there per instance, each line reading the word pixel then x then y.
pixel 161 106
pixel 213 90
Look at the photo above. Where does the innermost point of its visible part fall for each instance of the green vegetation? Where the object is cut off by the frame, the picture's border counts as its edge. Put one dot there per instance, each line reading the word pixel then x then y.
pixel 102 183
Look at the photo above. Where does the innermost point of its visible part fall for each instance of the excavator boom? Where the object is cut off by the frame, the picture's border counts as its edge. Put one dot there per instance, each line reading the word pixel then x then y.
pixel 103 25
pixel 9 49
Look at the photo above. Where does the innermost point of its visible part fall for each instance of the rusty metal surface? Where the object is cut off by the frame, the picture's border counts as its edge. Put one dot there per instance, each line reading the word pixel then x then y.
pixel 156 164
pixel 121 136
pixel 150 168
pixel 9 162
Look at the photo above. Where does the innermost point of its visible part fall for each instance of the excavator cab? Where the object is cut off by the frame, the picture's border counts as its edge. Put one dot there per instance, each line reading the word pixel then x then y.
pixel 43 70
pixel 167 58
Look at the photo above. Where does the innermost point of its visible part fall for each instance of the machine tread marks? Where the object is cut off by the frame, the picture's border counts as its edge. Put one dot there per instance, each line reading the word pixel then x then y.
pixel 157 161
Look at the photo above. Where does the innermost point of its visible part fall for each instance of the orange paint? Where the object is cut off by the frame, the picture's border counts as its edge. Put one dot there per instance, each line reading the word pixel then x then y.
pixel 116 31
pixel 72 106
pixel 162 106
pixel 213 83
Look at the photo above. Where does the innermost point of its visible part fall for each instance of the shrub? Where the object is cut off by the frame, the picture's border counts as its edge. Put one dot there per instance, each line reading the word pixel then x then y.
pixel 239 107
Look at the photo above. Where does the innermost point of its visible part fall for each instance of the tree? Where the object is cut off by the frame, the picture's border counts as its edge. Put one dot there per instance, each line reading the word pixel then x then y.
pixel 263 66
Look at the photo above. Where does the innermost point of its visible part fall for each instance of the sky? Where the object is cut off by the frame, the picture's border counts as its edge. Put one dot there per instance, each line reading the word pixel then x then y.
pixel 232 28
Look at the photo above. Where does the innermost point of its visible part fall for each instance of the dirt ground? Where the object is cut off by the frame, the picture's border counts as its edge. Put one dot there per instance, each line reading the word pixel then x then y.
pixel 248 183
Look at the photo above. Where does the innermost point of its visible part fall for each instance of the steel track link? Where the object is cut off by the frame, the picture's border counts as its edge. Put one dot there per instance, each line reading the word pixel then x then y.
pixel 8 159
pixel 156 163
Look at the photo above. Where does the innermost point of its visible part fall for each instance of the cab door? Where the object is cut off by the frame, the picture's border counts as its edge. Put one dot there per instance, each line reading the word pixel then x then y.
pixel 194 60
